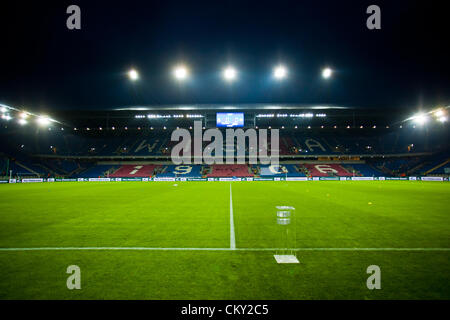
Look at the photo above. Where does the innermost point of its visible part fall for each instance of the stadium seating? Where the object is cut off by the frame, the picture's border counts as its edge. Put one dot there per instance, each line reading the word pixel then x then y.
pixel 129 171
pixel 288 170
pixel 97 171
pixel 235 170
pixel 181 171
pixel 146 143
pixel 326 170
pixel 363 170
pixel 43 153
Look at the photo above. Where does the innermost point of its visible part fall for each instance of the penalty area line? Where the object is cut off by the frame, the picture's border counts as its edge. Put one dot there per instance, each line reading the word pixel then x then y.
pixel 212 249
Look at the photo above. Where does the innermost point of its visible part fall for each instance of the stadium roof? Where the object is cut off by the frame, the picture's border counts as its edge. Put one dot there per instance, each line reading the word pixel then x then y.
pixel 248 106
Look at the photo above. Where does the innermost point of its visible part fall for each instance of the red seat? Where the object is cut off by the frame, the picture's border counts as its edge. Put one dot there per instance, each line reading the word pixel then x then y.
pixel 127 171
pixel 230 170
pixel 326 169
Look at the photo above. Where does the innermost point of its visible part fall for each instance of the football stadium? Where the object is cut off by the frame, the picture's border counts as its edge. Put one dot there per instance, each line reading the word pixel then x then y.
pixel 192 153
pixel 99 190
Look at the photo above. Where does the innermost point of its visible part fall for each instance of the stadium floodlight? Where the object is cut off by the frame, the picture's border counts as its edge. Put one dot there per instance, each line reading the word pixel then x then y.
pixel 43 121
pixel 23 115
pixel 326 73
pixel 439 113
pixel 442 119
pixel 6 117
pixel 229 74
pixel 180 72
pixel 3 109
pixel 133 75
pixel 22 122
pixel 279 72
pixel 420 118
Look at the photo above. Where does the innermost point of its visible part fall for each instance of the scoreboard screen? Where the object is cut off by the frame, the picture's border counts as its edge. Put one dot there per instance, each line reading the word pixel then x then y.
pixel 230 120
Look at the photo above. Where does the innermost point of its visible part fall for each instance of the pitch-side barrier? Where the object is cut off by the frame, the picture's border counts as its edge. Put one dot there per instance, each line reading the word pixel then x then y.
pixel 167 179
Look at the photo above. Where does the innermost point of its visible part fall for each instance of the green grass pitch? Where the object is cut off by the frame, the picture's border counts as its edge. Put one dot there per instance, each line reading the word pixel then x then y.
pixel 329 214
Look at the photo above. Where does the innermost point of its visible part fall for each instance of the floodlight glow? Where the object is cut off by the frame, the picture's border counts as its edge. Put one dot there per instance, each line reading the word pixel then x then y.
pixel 3 109
pixel 439 113
pixel 229 74
pixel 442 119
pixel 326 73
pixel 180 72
pixel 6 117
pixel 23 115
pixel 133 75
pixel 420 118
pixel 280 72
pixel 43 121
pixel 22 122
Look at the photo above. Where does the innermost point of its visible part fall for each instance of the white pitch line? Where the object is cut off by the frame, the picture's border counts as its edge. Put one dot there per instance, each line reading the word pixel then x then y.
pixel 232 235
pixel 213 249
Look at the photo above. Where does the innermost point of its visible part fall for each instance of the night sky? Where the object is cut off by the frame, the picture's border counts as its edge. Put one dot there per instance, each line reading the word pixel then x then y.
pixel 46 66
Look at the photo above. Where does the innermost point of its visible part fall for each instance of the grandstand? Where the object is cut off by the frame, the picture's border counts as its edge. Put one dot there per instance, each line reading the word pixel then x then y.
pixel 315 141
